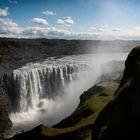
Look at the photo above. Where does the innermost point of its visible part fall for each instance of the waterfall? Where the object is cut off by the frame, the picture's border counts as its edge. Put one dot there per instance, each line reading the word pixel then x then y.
pixel 47 91
pixel 30 85
pixel 37 84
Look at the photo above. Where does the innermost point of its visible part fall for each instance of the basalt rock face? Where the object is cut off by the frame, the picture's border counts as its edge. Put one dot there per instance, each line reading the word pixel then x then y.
pixel 120 119
pixel 5 122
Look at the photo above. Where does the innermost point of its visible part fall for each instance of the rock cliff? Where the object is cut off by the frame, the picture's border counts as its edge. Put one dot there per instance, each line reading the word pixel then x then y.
pixel 120 119
pixel 5 122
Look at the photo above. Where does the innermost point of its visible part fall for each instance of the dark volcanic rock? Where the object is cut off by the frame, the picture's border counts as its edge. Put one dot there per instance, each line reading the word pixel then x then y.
pixel 5 122
pixel 120 119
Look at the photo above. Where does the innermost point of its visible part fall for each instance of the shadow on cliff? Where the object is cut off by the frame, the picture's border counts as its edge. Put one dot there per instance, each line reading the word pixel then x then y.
pixel 5 122
pixel 120 119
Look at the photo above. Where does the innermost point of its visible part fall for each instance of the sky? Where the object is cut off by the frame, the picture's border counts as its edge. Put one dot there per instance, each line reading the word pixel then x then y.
pixel 70 19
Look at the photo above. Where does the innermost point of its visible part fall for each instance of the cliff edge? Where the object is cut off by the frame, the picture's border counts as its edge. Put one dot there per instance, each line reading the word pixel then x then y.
pixel 5 122
pixel 120 119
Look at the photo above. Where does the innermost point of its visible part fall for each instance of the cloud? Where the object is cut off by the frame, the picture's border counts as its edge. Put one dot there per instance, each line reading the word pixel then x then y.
pixel 9 28
pixel 50 32
pixel 13 1
pixel 117 29
pixel 40 21
pixel 100 29
pixel 99 33
pixel 68 21
pixel 4 11
pixel 92 28
pixel 7 22
pixel 137 27
pixel 48 13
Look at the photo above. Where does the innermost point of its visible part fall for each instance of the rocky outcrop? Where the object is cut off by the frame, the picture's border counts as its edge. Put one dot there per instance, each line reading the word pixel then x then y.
pixel 120 119
pixel 5 122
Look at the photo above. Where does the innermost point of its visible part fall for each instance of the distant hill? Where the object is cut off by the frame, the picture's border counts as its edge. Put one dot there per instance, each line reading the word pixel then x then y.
pixel 16 52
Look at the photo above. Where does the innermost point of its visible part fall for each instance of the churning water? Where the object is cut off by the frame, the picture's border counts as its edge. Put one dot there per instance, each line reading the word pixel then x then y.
pixel 47 91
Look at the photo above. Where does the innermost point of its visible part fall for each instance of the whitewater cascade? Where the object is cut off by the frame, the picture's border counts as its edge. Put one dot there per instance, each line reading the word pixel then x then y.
pixel 30 85
pixel 34 85
pixel 47 91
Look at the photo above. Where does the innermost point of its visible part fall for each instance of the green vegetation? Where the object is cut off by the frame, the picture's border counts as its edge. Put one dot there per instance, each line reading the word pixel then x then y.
pixel 78 125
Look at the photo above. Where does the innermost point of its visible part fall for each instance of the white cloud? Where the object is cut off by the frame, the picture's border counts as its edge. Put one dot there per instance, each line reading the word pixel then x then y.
pixel 101 29
pixel 40 21
pixel 117 29
pixel 13 1
pixel 48 13
pixel 50 32
pixel 137 27
pixel 92 28
pixel 69 17
pixel 7 22
pixel 66 22
pixel 9 27
pixel 4 11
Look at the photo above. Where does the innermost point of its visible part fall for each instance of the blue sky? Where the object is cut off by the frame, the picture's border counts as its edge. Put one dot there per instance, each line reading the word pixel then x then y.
pixel 70 19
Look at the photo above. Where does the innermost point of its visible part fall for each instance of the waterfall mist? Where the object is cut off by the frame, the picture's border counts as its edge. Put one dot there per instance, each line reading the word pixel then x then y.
pixel 72 75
